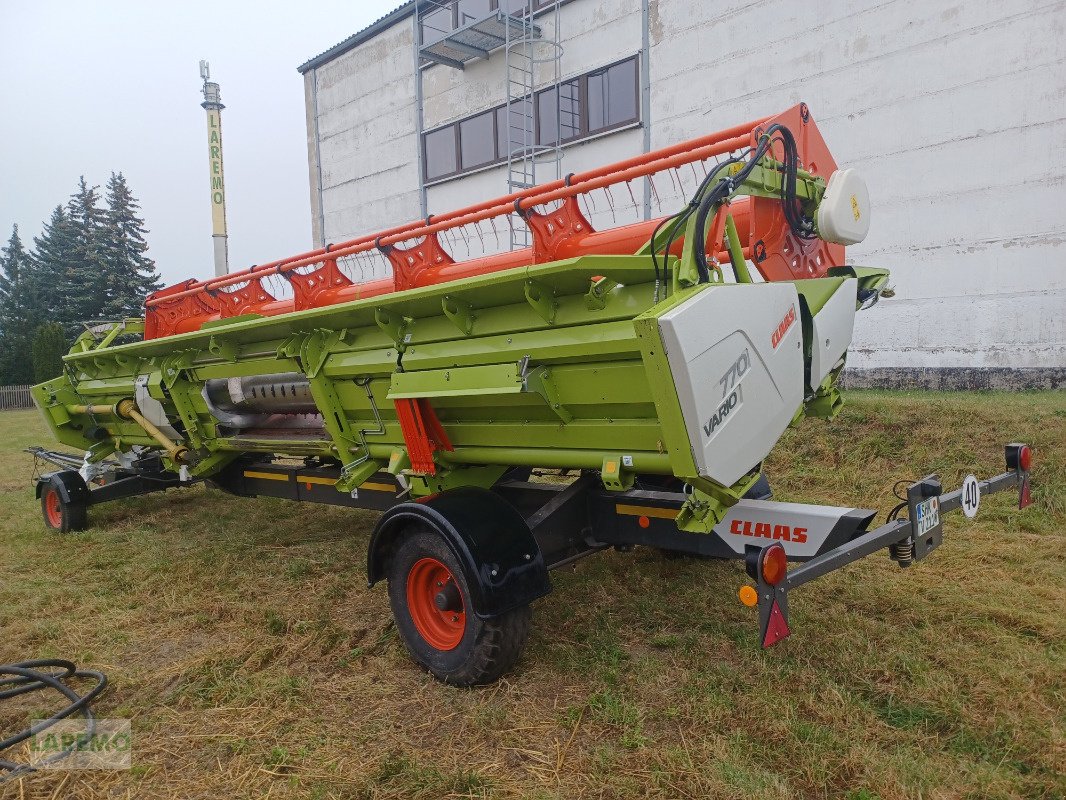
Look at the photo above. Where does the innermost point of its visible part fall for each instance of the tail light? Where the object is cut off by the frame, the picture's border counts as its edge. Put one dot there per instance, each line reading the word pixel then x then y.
pixel 1019 457
pixel 1025 457
pixel 773 564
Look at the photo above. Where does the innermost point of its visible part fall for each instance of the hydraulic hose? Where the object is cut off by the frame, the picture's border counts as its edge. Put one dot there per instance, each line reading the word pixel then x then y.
pixel 27 676
pixel 721 191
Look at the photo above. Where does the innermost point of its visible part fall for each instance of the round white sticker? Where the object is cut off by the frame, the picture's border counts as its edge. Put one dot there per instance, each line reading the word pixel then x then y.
pixel 971 496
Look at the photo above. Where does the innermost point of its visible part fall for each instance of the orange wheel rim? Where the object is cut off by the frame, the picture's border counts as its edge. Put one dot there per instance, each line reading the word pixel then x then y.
pixel 436 604
pixel 52 509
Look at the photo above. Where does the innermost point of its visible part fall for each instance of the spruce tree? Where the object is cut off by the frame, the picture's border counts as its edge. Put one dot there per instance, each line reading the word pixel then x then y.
pixel 17 312
pixel 53 258
pixel 130 273
pixel 83 282
pixel 49 347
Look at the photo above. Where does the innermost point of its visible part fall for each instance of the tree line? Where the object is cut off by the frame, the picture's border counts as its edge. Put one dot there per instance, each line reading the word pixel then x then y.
pixel 89 265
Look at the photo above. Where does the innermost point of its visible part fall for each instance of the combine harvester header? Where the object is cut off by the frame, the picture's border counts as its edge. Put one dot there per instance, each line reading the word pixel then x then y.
pixel 659 362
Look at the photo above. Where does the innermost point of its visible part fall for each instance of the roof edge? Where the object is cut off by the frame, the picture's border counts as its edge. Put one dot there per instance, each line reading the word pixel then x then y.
pixel 356 39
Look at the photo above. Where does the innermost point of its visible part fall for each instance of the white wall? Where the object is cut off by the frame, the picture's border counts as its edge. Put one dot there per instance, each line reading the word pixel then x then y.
pixel 956 114
pixel 367 140
pixel 954 111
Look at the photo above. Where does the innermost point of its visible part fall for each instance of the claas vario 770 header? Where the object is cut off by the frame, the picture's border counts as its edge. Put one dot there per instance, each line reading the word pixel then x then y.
pixel 657 363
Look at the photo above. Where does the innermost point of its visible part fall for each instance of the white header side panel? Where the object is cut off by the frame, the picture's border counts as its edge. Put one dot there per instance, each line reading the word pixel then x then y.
pixel 833 327
pixel 735 352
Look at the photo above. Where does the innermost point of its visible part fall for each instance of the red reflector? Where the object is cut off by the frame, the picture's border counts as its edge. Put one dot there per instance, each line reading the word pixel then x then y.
pixel 1024 497
pixel 776 627
pixel 1025 458
pixel 774 564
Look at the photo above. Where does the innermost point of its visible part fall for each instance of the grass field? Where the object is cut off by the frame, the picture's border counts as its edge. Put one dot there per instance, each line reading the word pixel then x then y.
pixel 241 640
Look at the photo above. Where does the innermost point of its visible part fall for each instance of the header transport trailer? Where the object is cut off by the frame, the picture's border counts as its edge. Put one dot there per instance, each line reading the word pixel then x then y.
pixel 657 362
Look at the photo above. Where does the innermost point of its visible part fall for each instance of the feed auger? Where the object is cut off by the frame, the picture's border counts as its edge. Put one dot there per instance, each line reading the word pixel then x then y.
pixel 657 363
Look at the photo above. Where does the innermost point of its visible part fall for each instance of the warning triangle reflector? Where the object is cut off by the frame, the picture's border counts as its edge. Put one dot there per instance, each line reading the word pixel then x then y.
pixel 1025 498
pixel 776 627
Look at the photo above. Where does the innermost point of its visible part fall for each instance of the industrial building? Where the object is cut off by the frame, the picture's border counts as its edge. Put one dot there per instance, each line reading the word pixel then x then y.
pixel 954 112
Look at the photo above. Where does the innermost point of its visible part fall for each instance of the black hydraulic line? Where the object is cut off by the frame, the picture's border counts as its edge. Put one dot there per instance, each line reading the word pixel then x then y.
pixel 678 220
pixel 725 187
pixel 27 676
pixel 721 192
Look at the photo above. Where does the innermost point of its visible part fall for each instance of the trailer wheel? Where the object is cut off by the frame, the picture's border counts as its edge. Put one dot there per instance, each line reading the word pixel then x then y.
pixel 61 515
pixel 428 591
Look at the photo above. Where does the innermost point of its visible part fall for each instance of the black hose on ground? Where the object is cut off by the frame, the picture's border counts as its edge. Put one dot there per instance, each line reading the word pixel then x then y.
pixel 24 677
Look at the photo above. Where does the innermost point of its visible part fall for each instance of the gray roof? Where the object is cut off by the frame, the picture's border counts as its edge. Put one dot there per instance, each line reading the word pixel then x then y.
pixel 356 39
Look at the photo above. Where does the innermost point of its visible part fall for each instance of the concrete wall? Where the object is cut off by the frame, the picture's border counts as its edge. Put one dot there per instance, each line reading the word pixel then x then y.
pixel 366 137
pixel 955 112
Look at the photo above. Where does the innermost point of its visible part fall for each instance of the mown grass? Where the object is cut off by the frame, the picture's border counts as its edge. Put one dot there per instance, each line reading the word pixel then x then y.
pixel 241 640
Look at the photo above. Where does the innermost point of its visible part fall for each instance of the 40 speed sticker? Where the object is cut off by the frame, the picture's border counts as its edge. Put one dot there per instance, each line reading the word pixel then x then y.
pixel 971 496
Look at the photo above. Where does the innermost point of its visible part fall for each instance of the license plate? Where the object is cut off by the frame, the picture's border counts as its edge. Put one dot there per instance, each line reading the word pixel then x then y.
pixel 926 516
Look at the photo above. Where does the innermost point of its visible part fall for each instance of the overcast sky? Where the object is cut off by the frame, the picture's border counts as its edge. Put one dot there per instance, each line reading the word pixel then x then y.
pixel 91 87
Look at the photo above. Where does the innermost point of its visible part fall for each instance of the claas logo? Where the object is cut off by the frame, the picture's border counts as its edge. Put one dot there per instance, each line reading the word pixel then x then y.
pixel 782 327
pixel 764 530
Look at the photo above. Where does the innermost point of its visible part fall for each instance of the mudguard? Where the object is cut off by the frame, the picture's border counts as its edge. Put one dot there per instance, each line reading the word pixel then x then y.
pixel 501 560
pixel 69 483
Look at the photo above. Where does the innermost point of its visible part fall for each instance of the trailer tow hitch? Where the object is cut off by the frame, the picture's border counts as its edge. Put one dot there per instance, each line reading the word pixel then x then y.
pixel 908 539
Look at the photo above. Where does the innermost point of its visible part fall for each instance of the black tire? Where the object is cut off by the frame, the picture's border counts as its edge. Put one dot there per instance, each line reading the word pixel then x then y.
pixel 60 515
pixel 485 648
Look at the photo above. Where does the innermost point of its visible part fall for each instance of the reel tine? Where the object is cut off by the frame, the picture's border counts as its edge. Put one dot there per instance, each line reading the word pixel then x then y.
pixel 466 239
pixel 655 193
pixel 674 180
pixel 480 236
pixel 610 202
pixel 496 233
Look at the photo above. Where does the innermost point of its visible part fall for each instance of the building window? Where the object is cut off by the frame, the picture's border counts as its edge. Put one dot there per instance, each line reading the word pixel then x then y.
pixel 612 96
pixel 599 101
pixel 436 24
pixel 441 156
pixel 517 132
pixel 441 17
pixel 559 115
pixel 477 140
pixel 467 11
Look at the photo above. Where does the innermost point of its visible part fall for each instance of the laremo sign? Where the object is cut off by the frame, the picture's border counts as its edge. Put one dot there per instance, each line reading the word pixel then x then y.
pixel 218 190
